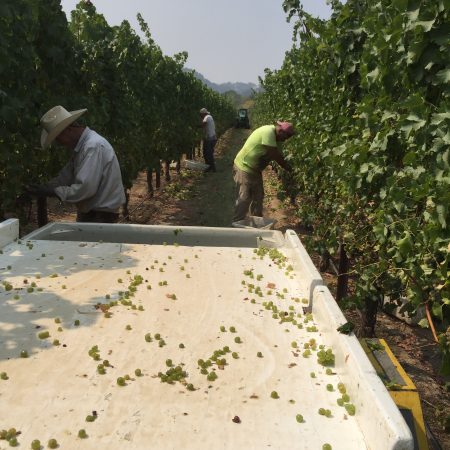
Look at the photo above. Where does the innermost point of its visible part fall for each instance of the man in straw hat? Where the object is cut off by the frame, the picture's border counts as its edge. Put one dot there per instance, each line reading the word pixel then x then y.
pixel 209 138
pixel 261 147
pixel 91 179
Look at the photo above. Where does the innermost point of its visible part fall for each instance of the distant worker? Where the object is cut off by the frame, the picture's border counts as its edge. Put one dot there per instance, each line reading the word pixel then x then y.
pixel 209 139
pixel 91 179
pixel 261 147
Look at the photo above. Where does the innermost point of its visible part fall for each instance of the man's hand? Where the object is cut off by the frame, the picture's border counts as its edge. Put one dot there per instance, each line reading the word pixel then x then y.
pixel 41 190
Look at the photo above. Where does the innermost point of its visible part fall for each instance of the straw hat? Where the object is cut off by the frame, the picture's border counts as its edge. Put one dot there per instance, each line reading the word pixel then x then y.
pixel 55 121
pixel 204 111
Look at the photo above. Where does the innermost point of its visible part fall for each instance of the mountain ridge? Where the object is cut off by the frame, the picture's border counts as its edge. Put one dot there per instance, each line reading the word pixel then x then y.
pixel 243 89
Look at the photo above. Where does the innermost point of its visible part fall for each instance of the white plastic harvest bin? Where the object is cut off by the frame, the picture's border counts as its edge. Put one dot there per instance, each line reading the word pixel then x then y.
pixel 49 394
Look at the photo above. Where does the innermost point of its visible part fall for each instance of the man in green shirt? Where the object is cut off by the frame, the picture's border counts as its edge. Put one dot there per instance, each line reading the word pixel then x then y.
pixel 261 147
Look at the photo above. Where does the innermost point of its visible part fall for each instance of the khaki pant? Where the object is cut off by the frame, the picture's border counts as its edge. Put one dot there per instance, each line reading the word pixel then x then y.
pixel 249 194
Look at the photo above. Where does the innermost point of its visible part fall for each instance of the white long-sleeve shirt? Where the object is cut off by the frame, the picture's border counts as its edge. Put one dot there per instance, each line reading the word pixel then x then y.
pixel 92 178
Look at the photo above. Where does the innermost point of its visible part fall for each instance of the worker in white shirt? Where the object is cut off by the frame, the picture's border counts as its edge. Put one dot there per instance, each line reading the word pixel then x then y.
pixel 91 179
pixel 209 138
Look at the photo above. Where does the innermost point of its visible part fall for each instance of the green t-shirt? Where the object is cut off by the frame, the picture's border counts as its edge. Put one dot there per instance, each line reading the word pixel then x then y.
pixel 253 158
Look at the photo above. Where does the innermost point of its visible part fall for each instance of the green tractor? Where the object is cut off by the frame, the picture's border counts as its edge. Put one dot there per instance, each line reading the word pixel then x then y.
pixel 242 119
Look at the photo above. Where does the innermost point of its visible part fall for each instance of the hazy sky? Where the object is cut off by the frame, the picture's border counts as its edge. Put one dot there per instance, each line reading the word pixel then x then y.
pixel 227 40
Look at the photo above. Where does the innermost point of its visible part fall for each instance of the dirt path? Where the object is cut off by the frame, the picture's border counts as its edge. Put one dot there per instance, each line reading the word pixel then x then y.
pixel 192 198
pixel 207 199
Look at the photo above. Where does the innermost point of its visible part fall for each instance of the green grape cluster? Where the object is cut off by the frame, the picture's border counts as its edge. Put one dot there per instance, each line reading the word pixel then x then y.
pixel 325 357
pixel 286 316
pixel 274 254
pixel 10 436
pixel 172 375
pixel 324 412
pixel 212 376
pixel 94 353
pixel 258 291
pixel 161 341
pixel 249 273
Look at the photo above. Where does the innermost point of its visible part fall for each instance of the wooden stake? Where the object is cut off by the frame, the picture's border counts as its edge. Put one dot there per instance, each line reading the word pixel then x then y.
pixel 430 321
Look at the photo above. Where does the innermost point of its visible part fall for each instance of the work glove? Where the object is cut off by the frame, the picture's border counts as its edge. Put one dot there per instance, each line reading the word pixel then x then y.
pixel 41 190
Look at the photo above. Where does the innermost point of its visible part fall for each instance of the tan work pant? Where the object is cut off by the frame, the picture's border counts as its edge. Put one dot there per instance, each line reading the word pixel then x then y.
pixel 249 194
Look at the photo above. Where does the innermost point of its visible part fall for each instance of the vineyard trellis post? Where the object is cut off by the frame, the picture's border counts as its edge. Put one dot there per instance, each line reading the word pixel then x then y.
pixel 342 281
pixel 42 214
